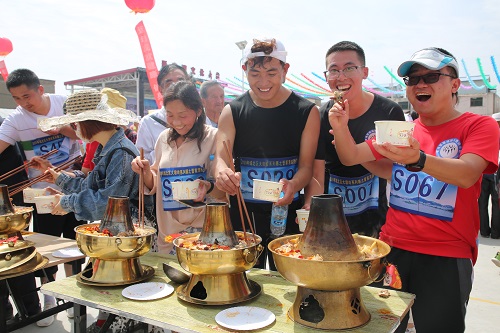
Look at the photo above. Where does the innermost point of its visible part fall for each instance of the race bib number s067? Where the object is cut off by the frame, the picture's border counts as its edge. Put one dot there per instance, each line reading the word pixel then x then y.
pixel 421 194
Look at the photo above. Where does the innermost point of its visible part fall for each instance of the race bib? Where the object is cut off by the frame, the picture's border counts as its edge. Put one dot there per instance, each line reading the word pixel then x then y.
pixel 60 142
pixel 270 169
pixel 169 175
pixel 421 194
pixel 358 194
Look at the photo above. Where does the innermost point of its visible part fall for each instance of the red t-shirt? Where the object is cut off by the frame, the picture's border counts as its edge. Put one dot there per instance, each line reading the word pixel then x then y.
pixel 90 149
pixel 456 238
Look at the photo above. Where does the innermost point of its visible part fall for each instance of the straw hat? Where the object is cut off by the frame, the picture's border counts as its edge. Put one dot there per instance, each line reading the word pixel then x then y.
pixel 107 107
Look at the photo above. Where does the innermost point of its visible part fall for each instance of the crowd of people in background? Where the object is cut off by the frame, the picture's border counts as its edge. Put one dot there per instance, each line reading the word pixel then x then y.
pixel 271 130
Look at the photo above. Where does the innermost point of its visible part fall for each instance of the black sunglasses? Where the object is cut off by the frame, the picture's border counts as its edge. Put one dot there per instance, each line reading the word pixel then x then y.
pixel 428 78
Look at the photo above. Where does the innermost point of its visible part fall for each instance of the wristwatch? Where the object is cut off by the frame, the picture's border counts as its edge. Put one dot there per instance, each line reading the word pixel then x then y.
pixel 419 165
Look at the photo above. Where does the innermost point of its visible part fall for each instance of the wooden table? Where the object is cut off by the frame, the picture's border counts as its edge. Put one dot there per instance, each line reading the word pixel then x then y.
pixel 171 313
pixel 45 245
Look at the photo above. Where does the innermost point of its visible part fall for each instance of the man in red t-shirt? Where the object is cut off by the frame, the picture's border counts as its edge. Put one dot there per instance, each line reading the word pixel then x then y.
pixel 433 220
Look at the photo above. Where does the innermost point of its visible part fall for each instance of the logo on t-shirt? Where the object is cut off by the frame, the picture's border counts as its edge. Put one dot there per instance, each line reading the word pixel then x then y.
pixel 370 135
pixel 449 148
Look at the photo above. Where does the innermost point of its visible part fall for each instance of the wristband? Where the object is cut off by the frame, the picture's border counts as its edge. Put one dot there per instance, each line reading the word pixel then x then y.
pixel 211 186
pixel 419 165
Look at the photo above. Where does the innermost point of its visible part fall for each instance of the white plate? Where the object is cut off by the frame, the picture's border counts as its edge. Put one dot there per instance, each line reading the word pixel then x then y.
pixel 148 291
pixel 243 318
pixel 69 252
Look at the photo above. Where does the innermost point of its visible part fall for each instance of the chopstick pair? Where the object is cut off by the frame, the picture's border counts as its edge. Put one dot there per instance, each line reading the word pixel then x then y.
pixel 22 167
pixel 141 193
pixel 241 202
pixel 44 176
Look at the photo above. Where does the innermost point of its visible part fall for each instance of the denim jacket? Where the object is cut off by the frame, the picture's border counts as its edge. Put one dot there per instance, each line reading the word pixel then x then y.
pixel 88 197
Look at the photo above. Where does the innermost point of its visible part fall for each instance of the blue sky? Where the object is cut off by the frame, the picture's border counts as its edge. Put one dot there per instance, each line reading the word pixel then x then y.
pixel 66 40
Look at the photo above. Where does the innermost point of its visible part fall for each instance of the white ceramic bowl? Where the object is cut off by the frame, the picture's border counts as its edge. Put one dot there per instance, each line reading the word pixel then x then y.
pixel 302 216
pixel 45 204
pixel 29 194
pixel 266 190
pixel 393 131
pixel 185 190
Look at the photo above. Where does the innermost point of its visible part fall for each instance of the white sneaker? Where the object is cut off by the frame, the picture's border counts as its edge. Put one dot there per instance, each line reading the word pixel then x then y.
pixel 70 313
pixel 50 319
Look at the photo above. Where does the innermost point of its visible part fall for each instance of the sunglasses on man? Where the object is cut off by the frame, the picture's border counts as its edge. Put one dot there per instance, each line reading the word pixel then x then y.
pixel 428 78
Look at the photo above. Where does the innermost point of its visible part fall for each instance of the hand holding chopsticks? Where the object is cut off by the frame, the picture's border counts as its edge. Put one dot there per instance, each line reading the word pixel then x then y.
pixel 239 196
pixel 26 165
pixel 45 176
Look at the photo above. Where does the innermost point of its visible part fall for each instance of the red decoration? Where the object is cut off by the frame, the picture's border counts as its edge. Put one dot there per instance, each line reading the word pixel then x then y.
pixel 140 6
pixel 193 71
pixel 210 75
pixel 5 47
pixel 217 77
pixel 149 60
pixel 202 72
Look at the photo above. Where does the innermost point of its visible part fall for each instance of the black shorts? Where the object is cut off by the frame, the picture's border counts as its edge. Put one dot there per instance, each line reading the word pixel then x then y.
pixel 442 286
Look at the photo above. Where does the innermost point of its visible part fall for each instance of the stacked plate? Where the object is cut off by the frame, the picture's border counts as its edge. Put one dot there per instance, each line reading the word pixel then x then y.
pixel 17 256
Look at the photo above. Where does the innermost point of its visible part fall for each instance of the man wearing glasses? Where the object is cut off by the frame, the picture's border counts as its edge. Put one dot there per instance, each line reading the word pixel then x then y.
pixel 433 222
pixel 365 200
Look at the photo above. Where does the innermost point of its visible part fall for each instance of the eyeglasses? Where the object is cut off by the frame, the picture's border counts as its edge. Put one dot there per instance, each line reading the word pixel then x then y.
pixel 428 78
pixel 349 71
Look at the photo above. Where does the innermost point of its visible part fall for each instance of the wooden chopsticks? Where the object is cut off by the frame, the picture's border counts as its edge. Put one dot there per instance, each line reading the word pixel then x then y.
pixel 239 196
pixel 21 167
pixel 12 187
pixel 44 176
pixel 141 193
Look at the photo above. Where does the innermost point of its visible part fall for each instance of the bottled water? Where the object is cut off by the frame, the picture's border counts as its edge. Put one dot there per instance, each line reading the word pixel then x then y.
pixel 278 220
pixel 210 178
pixel 210 168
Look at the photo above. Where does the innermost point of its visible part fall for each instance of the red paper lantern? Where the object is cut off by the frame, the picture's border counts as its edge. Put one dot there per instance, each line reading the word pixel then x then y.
pixel 140 6
pixel 5 47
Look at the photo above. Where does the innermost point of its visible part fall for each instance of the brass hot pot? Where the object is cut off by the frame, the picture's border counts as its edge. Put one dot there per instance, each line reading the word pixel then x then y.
pixel 328 291
pixel 212 269
pixel 114 260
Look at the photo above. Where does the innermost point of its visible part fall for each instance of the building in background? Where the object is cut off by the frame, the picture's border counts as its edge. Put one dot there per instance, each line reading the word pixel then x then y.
pixel 483 101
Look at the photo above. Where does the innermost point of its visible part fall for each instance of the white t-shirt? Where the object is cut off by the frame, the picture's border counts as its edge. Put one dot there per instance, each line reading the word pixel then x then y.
pixel 22 126
pixel 148 133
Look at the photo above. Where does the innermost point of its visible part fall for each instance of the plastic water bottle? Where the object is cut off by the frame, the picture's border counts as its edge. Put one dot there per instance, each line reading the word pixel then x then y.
pixel 278 220
pixel 210 168
pixel 210 177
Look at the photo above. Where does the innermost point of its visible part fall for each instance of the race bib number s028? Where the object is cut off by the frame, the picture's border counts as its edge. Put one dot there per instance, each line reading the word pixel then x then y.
pixel 169 175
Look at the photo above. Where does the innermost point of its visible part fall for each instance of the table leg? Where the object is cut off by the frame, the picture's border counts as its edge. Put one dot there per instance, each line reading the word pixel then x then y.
pixel 3 319
pixel 107 323
pixel 80 319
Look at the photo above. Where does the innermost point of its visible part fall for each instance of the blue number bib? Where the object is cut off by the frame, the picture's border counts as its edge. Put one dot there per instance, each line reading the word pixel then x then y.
pixel 44 145
pixel 271 169
pixel 358 194
pixel 169 175
pixel 421 194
